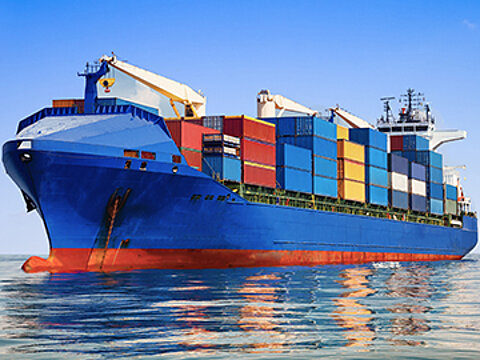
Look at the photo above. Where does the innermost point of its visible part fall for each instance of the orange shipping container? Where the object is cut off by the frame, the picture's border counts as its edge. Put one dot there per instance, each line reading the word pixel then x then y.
pixel 244 126
pixel 251 150
pixel 187 134
pixel 193 158
pixel 351 170
pixel 351 151
pixel 78 103
pixel 258 174
pixel 351 190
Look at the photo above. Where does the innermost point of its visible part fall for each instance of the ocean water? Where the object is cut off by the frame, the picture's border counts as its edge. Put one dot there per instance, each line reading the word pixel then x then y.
pixel 424 310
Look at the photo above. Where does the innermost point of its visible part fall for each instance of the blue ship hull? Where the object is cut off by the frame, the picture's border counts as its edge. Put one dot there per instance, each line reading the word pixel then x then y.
pixel 101 216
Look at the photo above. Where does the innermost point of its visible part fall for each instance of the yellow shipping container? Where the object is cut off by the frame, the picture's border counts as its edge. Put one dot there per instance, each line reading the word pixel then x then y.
pixel 351 170
pixel 342 133
pixel 351 190
pixel 350 151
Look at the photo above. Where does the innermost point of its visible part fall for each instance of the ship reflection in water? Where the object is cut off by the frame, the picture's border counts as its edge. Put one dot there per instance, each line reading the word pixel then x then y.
pixel 394 309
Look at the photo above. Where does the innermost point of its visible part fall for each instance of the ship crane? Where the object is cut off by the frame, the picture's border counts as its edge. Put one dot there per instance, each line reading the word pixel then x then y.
pixel 267 104
pixel 194 102
pixel 350 119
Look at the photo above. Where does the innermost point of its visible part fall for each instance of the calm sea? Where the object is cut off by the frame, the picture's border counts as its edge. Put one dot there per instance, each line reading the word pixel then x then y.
pixel 386 310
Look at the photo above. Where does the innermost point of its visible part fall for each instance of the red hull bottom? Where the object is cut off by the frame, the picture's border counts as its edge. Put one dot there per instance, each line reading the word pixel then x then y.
pixel 81 260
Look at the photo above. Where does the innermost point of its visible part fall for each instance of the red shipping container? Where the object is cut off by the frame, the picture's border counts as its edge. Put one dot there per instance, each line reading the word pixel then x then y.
pixel 186 134
pixel 257 152
pixel 258 174
pixel 396 143
pixel 244 126
pixel 193 158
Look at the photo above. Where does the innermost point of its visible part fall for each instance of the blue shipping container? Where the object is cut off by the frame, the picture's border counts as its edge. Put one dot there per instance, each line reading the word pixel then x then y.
pixel 376 176
pixel 318 145
pixel 435 175
pixel 375 157
pixel 369 137
pixel 451 192
pixel 435 191
pixel 436 206
pixel 294 157
pixel 415 143
pixel 429 158
pixel 397 164
pixel 294 179
pixel 325 186
pixel 312 125
pixel 225 167
pixel 377 195
pixel 418 203
pixel 324 167
pixel 285 126
pixel 409 155
pixel 398 199
pixel 286 140
pixel 418 172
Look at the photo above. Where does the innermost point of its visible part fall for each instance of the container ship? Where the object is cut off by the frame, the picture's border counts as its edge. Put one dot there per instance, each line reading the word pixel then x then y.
pixel 120 187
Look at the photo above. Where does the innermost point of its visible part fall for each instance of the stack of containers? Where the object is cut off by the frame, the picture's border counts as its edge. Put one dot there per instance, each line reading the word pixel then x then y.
pixel 451 197
pixel 434 166
pixel 294 168
pixel 188 137
pixel 257 148
pixel 417 189
pixel 398 188
pixel 213 122
pixel 319 137
pixel 376 178
pixel 351 170
pixel 221 157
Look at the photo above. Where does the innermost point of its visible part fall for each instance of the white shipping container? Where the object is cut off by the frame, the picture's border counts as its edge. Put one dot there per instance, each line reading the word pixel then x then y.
pixel 398 181
pixel 418 187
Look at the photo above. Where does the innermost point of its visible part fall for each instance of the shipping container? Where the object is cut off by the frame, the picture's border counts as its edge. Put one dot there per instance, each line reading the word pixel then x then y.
pixel 192 157
pixel 451 192
pixel 294 157
pixel 417 187
pixel 257 152
pixel 351 170
pixel 248 127
pixel 291 140
pixel 188 135
pixel 377 195
pixel 398 199
pixel 415 143
pixel 78 103
pixel 225 150
pixel 376 176
pixel 398 182
pixel 213 122
pixel 435 206
pixel 450 207
pixel 324 167
pixel 418 203
pixel 312 125
pixel 397 164
pixel 369 137
pixel 435 175
pixel 434 190
pixel 342 133
pixel 375 157
pixel 258 174
pixel 351 190
pixel 294 179
pixel 318 145
pixel 410 155
pixel 396 143
pixel 429 158
pixel 223 139
pixel 351 151
pixel 325 186
pixel 222 167
pixel 418 172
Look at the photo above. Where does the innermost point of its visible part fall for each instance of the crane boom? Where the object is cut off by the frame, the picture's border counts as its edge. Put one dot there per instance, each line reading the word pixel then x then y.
pixel 194 102
pixel 268 103
pixel 352 120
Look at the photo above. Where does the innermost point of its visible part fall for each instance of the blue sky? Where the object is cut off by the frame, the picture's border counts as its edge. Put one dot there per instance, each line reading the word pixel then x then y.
pixel 320 53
